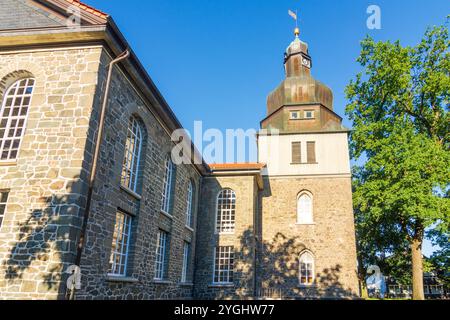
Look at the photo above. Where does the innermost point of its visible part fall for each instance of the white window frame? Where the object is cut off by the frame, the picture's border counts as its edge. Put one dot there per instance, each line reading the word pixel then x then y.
pixel 311 113
pixel 161 255
pixel 132 157
pixel 167 186
pixel 226 208
pixel 4 195
pixel 190 204
pixel 224 258
pixel 122 245
pixel 186 258
pixel 306 260
pixel 12 94
pixel 305 211
pixel 296 113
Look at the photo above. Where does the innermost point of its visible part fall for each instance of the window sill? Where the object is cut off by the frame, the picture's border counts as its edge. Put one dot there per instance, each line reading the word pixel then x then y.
pixel 304 163
pixel 306 224
pixel 164 282
pixel 221 285
pixel 186 284
pixel 225 233
pixel 8 163
pixel 168 215
pixel 307 286
pixel 131 192
pixel 114 278
pixel 190 229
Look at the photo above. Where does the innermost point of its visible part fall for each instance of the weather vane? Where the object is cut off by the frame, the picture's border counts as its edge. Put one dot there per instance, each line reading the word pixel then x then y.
pixel 294 15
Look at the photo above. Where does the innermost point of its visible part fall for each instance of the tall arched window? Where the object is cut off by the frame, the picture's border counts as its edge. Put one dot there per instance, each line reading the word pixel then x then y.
pixel 226 211
pixel 167 186
pixel 132 159
pixel 305 208
pixel 190 204
pixel 306 268
pixel 13 115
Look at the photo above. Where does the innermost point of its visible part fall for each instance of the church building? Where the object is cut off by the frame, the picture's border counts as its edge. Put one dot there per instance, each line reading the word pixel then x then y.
pixel 93 206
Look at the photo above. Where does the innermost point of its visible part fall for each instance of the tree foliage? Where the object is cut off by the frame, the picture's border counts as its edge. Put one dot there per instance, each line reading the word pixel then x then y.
pixel 399 107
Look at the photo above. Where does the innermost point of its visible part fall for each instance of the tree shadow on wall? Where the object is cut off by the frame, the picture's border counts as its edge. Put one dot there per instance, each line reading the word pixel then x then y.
pixel 278 272
pixel 45 245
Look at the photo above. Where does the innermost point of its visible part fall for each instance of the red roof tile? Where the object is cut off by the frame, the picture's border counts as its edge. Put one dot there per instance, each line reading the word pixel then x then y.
pixel 87 8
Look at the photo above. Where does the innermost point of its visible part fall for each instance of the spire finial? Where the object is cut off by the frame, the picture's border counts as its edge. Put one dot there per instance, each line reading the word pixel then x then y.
pixel 297 31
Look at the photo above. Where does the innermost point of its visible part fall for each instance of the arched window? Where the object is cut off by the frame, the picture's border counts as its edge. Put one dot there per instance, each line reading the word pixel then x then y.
pixel 132 159
pixel 306 269
pixel 226 211
pixel 167 186
pixel 13 115
pixel 305 208
pixel 189 204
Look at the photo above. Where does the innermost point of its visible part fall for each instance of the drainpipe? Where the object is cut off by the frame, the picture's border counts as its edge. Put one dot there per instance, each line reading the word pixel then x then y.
pixel 82 240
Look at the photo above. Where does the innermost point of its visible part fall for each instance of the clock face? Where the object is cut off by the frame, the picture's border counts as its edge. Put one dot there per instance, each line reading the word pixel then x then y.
pixel 306 62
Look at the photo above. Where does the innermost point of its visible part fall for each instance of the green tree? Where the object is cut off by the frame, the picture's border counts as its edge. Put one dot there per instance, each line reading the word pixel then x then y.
pixel 399 107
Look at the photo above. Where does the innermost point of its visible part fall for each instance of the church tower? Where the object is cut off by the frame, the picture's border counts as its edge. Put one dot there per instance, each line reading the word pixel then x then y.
pixel 306 222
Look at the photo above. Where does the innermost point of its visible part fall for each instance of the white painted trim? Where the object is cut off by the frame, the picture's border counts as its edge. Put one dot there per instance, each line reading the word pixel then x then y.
pixel 190 204
pixel 217 213
pixel 213 283
pixel 305 285
pixel 134 132
pixel 186 260
pixel 166 196
pixel 127 247
pixel 18 117
pixel 311 197
pixel 163 245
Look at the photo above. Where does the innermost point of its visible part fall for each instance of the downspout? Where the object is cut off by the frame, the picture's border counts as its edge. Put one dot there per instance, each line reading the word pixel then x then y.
pixel 87 211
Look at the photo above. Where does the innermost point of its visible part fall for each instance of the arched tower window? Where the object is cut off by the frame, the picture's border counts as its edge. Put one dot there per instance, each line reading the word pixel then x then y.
pixel 226 211
pixel 167 186
pixel 13 115
pixel 133 153
pixel 305 208
pixel 306 269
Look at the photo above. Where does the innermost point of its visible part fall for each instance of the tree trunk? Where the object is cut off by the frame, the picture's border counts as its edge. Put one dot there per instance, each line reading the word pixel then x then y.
pixel 417 270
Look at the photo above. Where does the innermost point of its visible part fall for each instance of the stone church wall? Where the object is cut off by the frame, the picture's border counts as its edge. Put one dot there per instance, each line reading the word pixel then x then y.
pixel 331 238
pixel 148 219
pixel 242 239
pixel 47 183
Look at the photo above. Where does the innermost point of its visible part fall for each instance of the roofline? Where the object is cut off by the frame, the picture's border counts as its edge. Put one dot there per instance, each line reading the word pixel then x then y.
pixel 62 6
pixel 290 133
pixel 258 174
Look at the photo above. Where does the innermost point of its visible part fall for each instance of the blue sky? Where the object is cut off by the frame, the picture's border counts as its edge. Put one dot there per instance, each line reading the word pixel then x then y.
pixel 216 61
